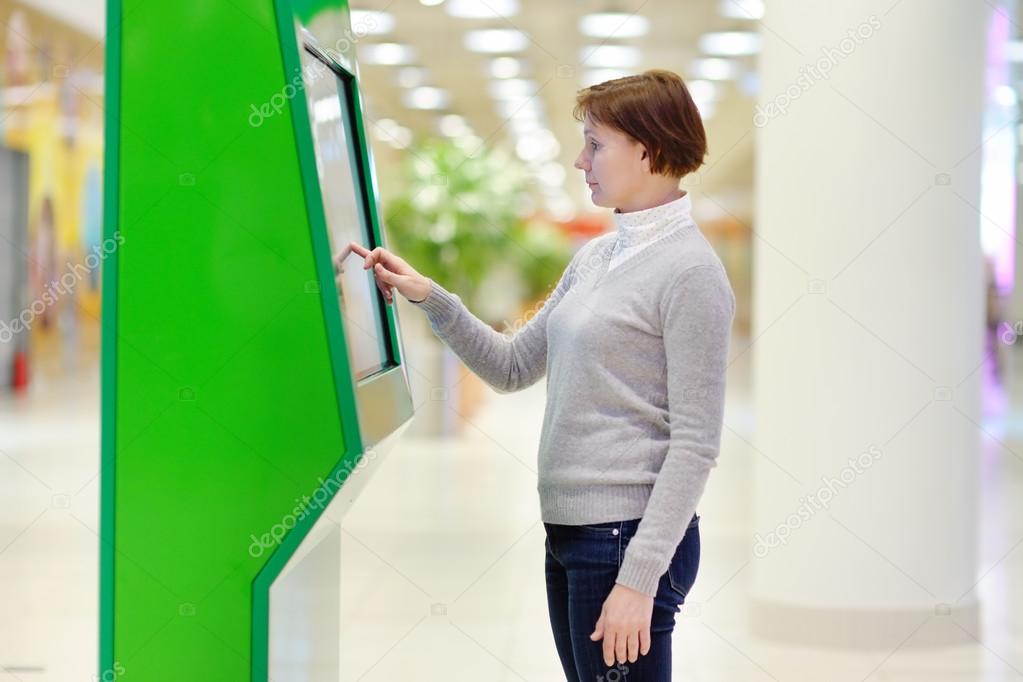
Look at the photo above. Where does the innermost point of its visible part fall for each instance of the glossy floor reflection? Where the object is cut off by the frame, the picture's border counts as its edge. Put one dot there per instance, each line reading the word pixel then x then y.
pixel 443 556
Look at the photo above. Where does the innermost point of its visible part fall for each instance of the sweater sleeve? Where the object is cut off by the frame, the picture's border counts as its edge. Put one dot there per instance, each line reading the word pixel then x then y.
pixel 507 362
pixel 697 316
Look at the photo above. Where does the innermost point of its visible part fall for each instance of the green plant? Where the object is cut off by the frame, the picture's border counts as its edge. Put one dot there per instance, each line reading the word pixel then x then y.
pixel 549 250
pixel 457 214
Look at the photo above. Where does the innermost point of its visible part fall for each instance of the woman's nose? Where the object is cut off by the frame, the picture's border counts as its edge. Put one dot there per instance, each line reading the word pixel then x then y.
pixel 579 162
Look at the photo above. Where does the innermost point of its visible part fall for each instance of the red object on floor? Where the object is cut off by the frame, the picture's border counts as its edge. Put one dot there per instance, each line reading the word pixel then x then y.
pixel 20 371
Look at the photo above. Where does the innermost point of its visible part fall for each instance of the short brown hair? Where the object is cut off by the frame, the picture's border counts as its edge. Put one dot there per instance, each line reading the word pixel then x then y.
pixel 655 109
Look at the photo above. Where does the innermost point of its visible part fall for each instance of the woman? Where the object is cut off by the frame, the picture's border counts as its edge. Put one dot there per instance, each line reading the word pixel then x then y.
pixel 634 344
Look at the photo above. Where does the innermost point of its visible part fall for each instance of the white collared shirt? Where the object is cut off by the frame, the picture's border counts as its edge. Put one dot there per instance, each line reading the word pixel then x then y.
pixel 638 229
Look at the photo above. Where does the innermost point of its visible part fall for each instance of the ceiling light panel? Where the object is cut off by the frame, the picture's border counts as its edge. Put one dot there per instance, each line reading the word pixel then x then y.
pixel 387 54
pixel 482 9
pixel 367 23
pixel 730 43
pixel 496 40
pixel 609 56
pixel 614 25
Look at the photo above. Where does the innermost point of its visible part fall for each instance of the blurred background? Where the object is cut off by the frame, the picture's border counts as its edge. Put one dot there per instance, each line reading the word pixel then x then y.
pixel 469 109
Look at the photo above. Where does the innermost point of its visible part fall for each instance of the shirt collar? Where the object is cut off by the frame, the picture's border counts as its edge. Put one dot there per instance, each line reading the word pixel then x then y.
pixel 635 227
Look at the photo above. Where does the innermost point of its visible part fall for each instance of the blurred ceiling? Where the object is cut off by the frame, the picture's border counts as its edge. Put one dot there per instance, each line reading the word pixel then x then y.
pixel 88 16
pixel 521 95
pixel 518 93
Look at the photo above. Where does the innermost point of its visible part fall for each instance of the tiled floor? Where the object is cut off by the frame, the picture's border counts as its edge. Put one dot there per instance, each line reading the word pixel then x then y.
pixel 442 557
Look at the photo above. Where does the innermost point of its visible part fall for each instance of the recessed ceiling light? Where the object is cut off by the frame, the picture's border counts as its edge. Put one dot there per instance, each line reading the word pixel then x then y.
pixel 393 133
pixel 521 126
pixel 522 107
pixel 512 88
pixel 482 9
pixel 611 56
pixel 714 69
pixel 505 67
pixel 430 3
pixel 742 9
pixel 707 109
pixel 388 54
pixel 425 97
pixel 730 43
pixel 453 125
pixel 614 25
pixel 496 40
pixel 702 90
pixel 552 174
pixel 368 23
pixel 539 145
pixel 411 76
pixel 594 76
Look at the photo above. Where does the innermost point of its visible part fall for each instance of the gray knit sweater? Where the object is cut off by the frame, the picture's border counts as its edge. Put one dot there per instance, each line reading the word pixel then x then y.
pixel 635 361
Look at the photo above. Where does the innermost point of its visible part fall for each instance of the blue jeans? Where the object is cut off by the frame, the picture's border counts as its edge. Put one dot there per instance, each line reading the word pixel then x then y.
pixel 582 564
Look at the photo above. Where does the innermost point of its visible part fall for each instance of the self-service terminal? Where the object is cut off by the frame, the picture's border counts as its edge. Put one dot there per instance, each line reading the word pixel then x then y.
pixel 246 395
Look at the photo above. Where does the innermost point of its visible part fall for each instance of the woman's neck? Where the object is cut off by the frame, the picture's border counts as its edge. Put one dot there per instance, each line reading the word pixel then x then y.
pixel 652 202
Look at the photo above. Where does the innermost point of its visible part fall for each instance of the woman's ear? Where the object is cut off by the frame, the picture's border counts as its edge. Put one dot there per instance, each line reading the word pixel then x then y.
pixel 644 159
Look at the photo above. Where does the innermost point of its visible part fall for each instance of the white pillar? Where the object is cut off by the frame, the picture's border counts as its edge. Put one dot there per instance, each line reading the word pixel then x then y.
pixel 868 322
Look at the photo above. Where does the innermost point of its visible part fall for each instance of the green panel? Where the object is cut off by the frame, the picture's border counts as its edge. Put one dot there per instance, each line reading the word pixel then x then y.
pixel 226 386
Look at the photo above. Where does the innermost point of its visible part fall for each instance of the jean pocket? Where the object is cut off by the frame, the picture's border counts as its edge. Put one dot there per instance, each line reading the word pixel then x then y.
pixel 610 530
pixel 686 563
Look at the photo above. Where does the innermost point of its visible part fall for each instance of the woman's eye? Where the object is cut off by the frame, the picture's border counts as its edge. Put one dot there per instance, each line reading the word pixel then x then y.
pixel 593 145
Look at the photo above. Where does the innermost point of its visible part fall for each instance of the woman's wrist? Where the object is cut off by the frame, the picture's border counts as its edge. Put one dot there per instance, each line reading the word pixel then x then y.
pixel 428 286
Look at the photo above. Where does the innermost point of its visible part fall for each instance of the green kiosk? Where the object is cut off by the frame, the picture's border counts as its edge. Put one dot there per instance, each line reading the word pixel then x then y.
pixel 248 391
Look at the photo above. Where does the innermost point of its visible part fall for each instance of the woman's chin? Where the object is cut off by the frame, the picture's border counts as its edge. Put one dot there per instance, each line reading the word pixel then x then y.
pixel 597 197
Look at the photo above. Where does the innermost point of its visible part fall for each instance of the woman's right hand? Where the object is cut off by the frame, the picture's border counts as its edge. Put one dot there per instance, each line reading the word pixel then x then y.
pixel 391 271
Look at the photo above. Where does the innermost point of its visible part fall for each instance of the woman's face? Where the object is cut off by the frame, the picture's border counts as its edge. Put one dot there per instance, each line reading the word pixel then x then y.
pixel 616 166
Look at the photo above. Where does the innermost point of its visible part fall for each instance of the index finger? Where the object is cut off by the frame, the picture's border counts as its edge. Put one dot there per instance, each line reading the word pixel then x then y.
pixel 358 248
pixel 339 258
pixel 382 256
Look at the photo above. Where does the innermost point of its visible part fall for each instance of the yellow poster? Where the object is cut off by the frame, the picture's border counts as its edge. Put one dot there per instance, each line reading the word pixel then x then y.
pixel 51 108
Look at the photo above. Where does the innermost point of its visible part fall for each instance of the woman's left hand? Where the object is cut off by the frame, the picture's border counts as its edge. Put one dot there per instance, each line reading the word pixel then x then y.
pixel 624 624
